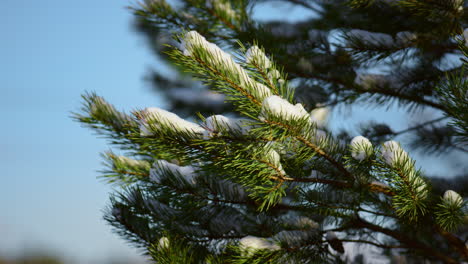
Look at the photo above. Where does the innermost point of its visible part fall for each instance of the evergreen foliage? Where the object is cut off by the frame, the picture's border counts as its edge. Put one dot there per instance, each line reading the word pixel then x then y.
pixel 268 182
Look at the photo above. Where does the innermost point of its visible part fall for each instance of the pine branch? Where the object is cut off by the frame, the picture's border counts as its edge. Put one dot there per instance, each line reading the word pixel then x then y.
pixel 246 190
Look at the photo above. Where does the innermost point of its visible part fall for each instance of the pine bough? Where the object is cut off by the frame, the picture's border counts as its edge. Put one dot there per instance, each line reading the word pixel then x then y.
pixel 271 187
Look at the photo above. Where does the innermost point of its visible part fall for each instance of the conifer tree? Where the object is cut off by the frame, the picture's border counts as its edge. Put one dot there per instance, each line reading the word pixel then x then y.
pixel 254 175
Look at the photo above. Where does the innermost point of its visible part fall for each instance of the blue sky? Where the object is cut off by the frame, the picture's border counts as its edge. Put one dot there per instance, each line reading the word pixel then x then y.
pixel 51 52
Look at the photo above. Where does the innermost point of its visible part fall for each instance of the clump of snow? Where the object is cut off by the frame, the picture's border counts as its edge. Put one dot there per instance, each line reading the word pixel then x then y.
pixel 250 244
pixel 392 153
pixel 453 198
pixel 279 107
pixel 360 148
pixel 154 117
pixel 190 38
pixel 255 55
pixel 163 243
pixel 274 158
pixel 161 167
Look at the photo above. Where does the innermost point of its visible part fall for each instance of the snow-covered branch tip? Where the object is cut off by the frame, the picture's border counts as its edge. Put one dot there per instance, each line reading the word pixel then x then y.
pixel 451 212
pixel 273 159
pixel 452 198
pixel 279 108
pixel 361 148
pixel 257 58
pixel 250 244
pixel 411 189
pixel 223 66
pixel 154 119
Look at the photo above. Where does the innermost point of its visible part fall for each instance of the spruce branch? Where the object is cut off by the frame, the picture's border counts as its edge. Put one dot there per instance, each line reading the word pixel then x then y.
pixel 274 185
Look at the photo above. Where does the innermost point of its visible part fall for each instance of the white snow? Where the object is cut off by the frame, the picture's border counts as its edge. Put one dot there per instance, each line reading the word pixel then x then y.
pixel 261 90
pixel 360 146
pixel 158 117
pixel 253 243
pixel 274 158
pixel 280 107
pixel 255 55
pixel 392 153
pixel 453 197
pixel 222 61
pixel 163 243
